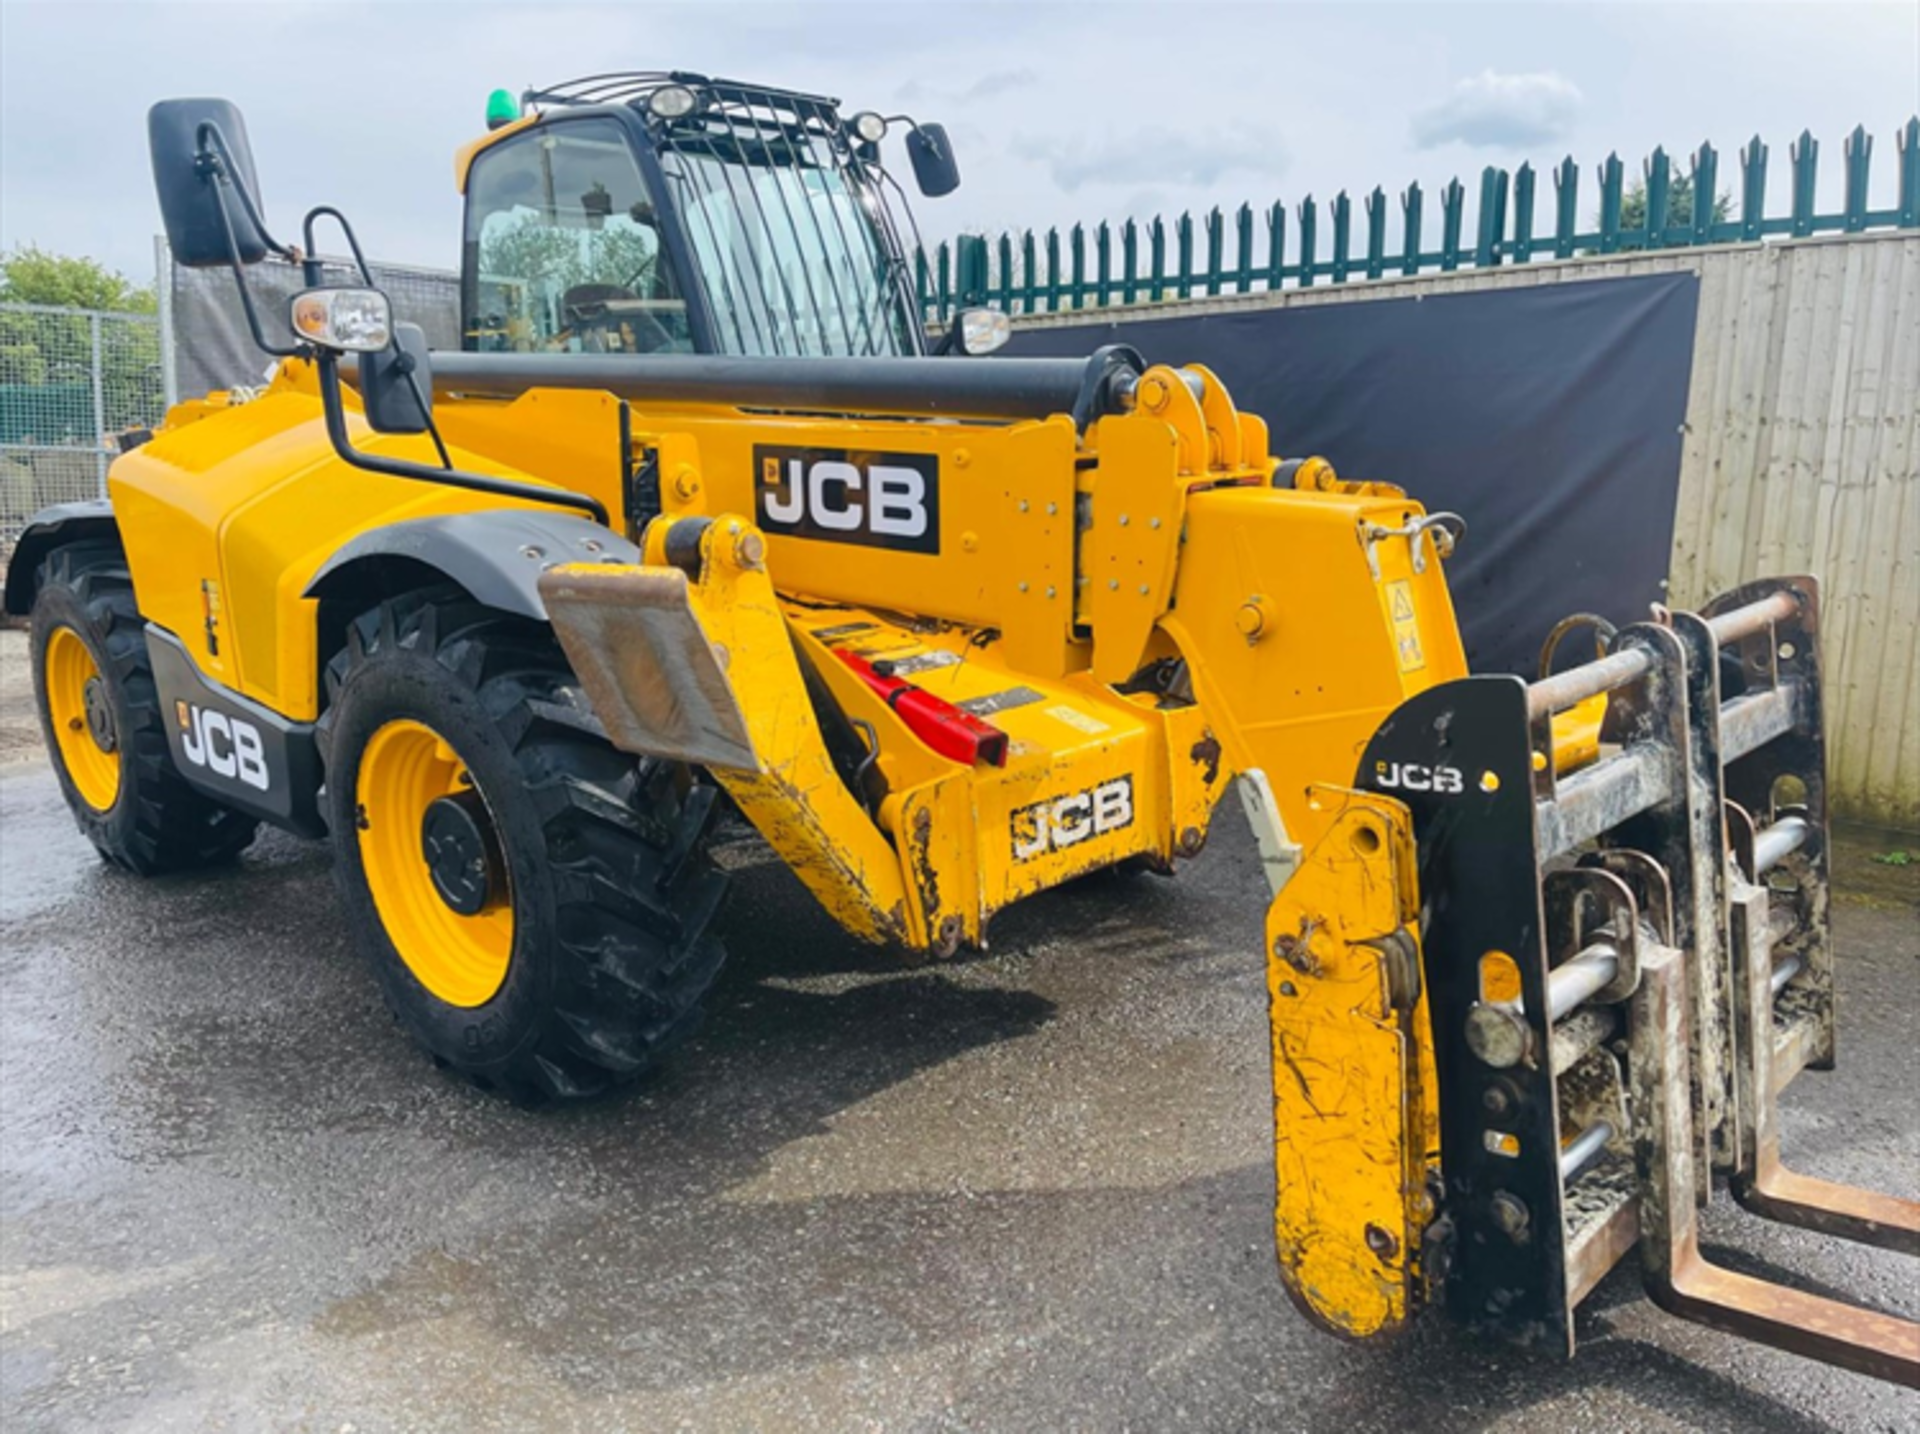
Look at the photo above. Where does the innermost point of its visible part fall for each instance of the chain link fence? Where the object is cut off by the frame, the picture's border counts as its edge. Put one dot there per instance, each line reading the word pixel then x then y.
pixel 71 381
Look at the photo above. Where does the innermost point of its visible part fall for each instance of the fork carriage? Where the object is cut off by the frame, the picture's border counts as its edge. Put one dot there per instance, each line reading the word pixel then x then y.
pixel 1630 962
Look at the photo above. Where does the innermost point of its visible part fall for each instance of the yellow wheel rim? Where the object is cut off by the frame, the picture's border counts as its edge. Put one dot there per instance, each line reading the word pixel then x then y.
pixel 83 725
pixel 461 959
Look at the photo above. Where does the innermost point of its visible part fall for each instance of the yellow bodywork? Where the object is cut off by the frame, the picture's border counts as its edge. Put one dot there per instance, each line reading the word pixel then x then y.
pixel 1137 607
pixel 1356 1119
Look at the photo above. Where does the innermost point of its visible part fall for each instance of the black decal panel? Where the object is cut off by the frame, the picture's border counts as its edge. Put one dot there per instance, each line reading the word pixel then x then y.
pixel 839 495
pixel 231 747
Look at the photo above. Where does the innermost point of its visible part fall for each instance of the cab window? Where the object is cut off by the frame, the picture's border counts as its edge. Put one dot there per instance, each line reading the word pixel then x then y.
pixel 563 251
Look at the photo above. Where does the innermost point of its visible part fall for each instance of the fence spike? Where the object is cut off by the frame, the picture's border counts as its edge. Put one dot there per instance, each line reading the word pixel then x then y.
pixel 1342 235
pixel 1004 255
pixel 1243 241
pixel 1077 244
pixel 1805 157
pixel 1029 274
pixel 1410 205
pixel 1308 215
pixel 1706 181
pixel 1183 237
pixel 1612 177
pixel 970 279
pixel 1157 235
pixel 1753 188
pixel 1907 146
pixel 1453 204
pixel 1566 207
pixel 1376 206
pixel 1523 179
pixel 1103 265
pixel 1659 173
pixel 1858 151
pixel 1216 247
pixel 1053 270
pixel 1492 218
pixel 1276 246
pixel 1129 261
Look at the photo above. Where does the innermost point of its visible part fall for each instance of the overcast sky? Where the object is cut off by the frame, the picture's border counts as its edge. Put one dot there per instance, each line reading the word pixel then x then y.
pixel 1058 111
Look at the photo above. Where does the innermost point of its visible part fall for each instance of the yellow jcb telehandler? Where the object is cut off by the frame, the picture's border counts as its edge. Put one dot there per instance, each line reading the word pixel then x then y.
pixel 698 515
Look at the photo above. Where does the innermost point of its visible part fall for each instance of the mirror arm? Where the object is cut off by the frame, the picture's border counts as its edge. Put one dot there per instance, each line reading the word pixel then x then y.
pixel 336 416
pixel 425 403
pixel 220 187
pixel 213 147
pixel 327 211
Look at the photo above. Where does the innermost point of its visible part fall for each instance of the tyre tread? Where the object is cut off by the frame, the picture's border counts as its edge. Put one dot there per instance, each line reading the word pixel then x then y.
pixel 172 825
pixel 634 958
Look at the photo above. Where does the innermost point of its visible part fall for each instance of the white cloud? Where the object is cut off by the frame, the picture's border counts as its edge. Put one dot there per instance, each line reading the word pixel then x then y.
pixel 1497 111
pixel 989 85
pixel 1161 157
pixel 1000 82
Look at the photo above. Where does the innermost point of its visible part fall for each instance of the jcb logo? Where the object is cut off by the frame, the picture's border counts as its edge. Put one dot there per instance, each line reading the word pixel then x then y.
pixel 879 500
pixel 1061 822
pixel 1414 777
pixel 226 746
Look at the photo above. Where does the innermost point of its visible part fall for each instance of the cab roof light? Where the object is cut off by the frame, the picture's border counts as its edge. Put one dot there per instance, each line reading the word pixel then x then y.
pixel 502 109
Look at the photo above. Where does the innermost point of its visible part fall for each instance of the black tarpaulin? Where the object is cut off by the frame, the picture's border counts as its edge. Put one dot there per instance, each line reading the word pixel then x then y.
pixel 1548 416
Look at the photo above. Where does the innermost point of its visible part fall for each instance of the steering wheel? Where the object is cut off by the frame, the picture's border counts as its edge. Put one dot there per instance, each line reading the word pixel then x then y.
pixel 585 309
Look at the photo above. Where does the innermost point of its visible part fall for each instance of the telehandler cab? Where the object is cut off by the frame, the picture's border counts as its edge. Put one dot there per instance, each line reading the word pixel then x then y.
pixel 695 516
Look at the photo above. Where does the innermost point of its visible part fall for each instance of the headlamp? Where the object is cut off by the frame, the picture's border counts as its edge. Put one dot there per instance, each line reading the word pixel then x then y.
pixel 356 321
pixel 672 102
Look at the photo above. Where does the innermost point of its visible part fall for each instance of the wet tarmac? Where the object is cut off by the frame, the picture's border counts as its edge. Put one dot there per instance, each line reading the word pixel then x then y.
pixel 1028 1190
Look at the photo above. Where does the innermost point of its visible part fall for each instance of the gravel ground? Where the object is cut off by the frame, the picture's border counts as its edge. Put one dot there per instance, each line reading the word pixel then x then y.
pixel 1028 1190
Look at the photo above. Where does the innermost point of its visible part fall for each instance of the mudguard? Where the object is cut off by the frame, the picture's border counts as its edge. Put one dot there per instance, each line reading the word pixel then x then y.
pixel 45 531
pixel 496 555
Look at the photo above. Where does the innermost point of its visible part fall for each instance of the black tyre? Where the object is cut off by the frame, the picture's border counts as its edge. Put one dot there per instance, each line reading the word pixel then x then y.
pixel 100 712
pixel 535 902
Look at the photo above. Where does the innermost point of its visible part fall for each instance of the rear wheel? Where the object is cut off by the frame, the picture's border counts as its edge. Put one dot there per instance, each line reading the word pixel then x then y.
pixel 535 902
pixel 105 731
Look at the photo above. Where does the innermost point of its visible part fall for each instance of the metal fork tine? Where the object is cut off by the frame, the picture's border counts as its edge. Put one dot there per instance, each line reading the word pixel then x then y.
pixel 1678 1276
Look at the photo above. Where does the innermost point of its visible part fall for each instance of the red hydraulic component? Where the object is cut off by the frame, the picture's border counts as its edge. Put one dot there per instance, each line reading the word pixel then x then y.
pixel 951 731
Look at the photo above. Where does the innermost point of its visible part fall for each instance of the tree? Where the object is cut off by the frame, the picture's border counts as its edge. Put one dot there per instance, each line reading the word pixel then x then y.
pixel 31 275
pixel 1633 204
pixel 47 359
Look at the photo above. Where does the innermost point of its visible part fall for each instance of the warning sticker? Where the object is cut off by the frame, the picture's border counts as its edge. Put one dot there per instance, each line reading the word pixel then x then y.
pixel 913 662
pixel 1406 626
pixel 842 632
pixel 999 701
pixel 1077 719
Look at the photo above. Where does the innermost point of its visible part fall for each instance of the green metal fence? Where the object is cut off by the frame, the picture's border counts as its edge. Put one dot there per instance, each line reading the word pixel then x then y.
pixel 1134 263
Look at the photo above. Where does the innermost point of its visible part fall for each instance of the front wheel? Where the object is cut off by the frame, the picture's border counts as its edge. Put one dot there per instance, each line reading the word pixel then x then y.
pixel 534 901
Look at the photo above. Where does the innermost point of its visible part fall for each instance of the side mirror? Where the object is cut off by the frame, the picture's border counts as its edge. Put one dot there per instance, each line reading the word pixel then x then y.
pixel 388 379
pixel 933 163
pixel 194 142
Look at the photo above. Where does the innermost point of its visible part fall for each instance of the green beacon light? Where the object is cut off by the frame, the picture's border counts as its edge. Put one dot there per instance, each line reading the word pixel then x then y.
pixel 502 108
